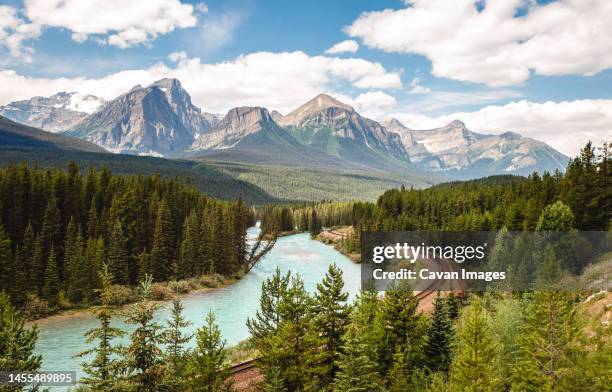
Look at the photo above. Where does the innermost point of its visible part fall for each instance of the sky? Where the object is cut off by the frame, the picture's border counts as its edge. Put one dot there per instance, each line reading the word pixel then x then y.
pixel 539 68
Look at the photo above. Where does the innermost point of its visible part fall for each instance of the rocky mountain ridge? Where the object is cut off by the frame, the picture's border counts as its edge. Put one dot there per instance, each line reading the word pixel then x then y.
pixel 161 120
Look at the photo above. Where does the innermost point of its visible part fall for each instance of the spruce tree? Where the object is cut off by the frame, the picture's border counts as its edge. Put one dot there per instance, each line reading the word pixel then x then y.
pixel 329 325
pixel 52 283
pixel 547 342
pixel 439 338
pixel 16 342
pixel 27 256
pixel 190 257
pixel 6 260
pixel 104 370
pixel 117 254
pixel 50 235
pixel 143 356
pixel 473 368
pixel 78 272
pixel 175 355
pixel 164 243
pixel 357 372
pixel 273 381
pixel 402 326
pixel 269 316
pixel 208 367
pixel 314 225
pixel 38 265
pixel 397 378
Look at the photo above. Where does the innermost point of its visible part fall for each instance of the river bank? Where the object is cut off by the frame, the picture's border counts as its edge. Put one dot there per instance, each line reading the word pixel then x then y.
pixel 61 338
pixel 162 293
pixel 338 237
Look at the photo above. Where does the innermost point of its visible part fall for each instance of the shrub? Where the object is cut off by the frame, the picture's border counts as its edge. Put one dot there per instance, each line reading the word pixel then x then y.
pixel 121 295
pixel 211 281
pixel 36 307
pixel 161 292
pixel 182 286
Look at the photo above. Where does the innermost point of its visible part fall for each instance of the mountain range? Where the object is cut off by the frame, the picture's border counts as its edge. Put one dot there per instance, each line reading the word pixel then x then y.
pixel 161 120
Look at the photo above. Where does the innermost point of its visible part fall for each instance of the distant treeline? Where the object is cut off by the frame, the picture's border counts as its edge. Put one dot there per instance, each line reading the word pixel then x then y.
pixel 479 205
pixel 58 227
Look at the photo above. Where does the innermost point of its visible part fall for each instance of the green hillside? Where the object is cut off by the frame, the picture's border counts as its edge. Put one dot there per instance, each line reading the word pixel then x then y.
pixel 206 178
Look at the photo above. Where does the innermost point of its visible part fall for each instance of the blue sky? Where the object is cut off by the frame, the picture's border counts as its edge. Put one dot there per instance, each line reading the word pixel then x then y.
pixel 541 69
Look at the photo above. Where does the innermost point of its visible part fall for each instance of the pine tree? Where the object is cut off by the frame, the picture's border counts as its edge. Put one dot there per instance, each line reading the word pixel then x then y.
pixel 27 256
pixel 50 235
pixel 398 374
pixel 117 254
pixel 269 316
pixel 104 370
pixel 273 382
pixel 403 327
pixel 208 368
pixel 452 305
pixel 439 338
pixel 143 357
pixel 190 257
pixel 6 262
pixel 473 367
pixel 162 254
pixel 547 342
pixel 329 325
pixel 52 285
pixel 69 245
pixel 175 355
pixel 16 342
pixel 357 372
pixel 314 224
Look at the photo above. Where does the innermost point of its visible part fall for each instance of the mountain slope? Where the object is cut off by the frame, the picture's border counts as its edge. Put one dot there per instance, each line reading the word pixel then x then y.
pixel 455 148
pixel 155 120
pixel 56 113
pixel 249 134
pixel 335 128
pixel 14 135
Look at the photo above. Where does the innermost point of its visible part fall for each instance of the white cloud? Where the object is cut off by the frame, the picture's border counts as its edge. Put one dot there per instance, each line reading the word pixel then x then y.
pixel 416 88
pixel 216 32
pixel 348 46
pixel 374 103
pixel 566 126
pixel 14 30
pixel 281 81
pixel 447 100
pixel 122 24
pixel 493 45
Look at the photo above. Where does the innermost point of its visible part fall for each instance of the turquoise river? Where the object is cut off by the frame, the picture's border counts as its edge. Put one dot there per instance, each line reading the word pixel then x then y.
pixel 62 337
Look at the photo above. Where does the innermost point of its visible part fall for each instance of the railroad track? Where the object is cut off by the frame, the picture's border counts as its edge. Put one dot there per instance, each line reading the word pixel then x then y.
pixel 243 366
pixel 436 284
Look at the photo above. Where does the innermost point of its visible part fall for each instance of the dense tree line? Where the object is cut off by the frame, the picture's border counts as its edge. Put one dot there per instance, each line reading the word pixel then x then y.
pixel 57 228
pixel 486 204
pixel 321 341
pixel 484 342
pixel 511 202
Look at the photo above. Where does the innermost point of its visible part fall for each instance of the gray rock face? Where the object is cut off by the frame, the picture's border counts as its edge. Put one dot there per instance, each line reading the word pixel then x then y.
pixel 155 120
pixel 161 120
pixel 454 147
pixel 56 113
pixel 237 124
pixel 324 114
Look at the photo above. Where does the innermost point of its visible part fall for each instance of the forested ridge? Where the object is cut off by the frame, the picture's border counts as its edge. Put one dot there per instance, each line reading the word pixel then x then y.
pixel 486 204
pixel 58 227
